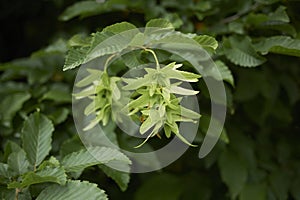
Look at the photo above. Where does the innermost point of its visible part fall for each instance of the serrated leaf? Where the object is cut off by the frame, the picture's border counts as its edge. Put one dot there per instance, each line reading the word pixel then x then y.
pixel 79 40
pixel 207 42
pixel 121 178
pixel 240 51
pixel 160 23
pixel 178 38
pixel 233 173
pixel 157 28
pixel 82 8
pixel 132 59
pixel 37 137
pixel 75 57
pixel 220 72
pixel 18 163
pixel 92 156
pixel 119 27
pixel 73 190
pixel 279 44
pixel 54 175
pixel 114 44
pixel 52 162
pixel 10 105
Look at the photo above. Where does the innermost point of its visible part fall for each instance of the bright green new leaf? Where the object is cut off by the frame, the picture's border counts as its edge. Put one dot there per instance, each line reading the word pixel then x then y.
pixel 73 190
pixel 37 137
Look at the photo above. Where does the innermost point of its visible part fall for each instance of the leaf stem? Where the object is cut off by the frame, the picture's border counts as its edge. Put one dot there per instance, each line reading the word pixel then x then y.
pixel 107 61
pixel 17 193
pixel 155 57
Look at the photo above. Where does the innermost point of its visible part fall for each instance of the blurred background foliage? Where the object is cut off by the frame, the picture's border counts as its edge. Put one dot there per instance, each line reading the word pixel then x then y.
pixel 258 41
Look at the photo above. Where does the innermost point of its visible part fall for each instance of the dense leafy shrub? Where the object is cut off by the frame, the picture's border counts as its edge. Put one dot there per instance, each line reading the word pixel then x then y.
pixel 257 50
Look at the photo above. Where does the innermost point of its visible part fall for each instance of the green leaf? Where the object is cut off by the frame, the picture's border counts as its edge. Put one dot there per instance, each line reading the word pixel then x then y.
pixel 18 163
pixel 54 175
pixel 254 191
pixel 280 45
pixel 121 178
pixel 204 125
pixel 36 137
pixel 59 115
pixel 4 170
pixel 73 190
pixel 280 183
pixel 10 147
pixel 79 8
pixel 132 59
pixel 220 72
pixel 233 172
pixel 119 27
pixel 92 156
pixel 160 23
pixel 114 44
pixel 10 105
pixel 6 194
pixel 58 95
pixel 70 145
pixel 240 51
pixel 75 57
pixel 79 40
pixel 207 42
pixel 280 15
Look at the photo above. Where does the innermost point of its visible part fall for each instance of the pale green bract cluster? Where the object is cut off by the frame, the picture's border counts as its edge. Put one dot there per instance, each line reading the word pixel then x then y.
pixel 155 103
pixel 102 90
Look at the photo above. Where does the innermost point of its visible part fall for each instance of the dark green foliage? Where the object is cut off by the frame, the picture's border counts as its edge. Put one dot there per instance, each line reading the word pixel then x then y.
pixel 256 49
